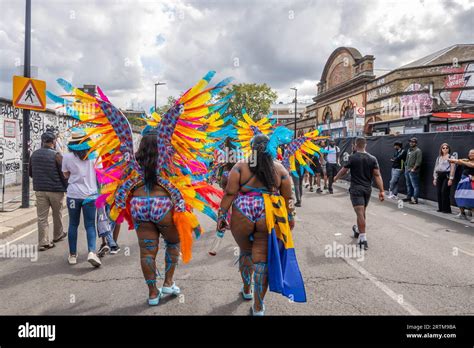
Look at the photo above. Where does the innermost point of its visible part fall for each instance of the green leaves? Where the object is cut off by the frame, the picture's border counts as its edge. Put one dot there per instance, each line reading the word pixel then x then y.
pixel 255 98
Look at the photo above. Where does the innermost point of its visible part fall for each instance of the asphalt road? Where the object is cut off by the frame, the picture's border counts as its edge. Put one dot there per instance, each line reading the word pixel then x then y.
pixel 416 264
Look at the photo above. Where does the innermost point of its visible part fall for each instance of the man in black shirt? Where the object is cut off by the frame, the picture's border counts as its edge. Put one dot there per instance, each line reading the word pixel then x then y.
pixel 397 160
pixel 364 168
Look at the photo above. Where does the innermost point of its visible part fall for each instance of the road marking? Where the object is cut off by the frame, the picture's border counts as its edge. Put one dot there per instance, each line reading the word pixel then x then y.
pixel 28 233
pixel 464 251
pixel 394 296
pixel 414 231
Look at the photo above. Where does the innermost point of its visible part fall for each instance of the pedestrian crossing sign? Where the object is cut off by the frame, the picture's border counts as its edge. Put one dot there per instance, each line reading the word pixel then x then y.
pixel 29 93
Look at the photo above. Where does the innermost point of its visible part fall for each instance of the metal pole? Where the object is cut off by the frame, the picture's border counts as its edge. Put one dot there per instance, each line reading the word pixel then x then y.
pixel 296 101
pixel 155 97
pixel 158 84
pixel 25 182
pixel 354 115
pixel 296 96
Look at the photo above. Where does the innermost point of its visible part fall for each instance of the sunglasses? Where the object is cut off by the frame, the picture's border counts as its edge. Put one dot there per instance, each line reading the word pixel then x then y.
pixel 445 147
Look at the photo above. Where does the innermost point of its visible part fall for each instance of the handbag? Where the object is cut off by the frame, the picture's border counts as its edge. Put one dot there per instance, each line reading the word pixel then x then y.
pixel 103 222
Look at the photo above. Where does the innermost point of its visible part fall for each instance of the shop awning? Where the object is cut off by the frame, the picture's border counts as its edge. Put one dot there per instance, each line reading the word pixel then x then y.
pixel 453 115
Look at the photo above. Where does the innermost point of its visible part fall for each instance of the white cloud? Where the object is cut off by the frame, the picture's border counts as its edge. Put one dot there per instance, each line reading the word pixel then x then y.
pixel 127 46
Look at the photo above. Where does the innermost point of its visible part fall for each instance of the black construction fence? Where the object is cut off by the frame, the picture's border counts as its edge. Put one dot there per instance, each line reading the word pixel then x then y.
pixel 382 148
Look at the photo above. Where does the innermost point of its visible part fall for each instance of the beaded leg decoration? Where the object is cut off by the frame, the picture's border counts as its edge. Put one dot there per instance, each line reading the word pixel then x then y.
pixel 260 279
pixel 148 251
pixel 246 271
pixel 171 260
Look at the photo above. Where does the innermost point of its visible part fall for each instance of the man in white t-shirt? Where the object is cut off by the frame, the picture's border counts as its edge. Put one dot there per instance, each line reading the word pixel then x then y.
pixel 332 162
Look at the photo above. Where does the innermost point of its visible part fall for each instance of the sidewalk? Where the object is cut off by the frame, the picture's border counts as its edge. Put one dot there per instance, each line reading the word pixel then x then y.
pixel 424 206
pixel 13 218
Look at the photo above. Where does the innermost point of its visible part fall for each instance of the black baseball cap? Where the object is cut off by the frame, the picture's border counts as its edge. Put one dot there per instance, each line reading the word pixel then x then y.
pixel 48 137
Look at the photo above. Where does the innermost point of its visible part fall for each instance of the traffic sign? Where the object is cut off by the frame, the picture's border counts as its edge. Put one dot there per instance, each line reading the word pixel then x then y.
pixel 360 111
pixel 29 93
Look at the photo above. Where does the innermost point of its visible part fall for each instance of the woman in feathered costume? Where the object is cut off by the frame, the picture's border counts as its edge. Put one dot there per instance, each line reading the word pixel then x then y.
pixel 259 192
pixel 156 189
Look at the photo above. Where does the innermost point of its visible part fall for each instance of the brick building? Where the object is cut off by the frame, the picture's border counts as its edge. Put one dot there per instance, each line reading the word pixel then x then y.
pixel 404 100
pixel 340 90
pixel 400 101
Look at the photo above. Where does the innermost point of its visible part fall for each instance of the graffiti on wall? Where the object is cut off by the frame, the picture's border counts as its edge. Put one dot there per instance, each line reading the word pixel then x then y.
pixel 11 147
pixel 458 78
pixel 417 103
pixel 378 92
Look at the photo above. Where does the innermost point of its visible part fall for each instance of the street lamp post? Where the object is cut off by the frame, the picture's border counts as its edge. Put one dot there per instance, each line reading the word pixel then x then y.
pixel 158 84
pixel 25 180
pixel 296 96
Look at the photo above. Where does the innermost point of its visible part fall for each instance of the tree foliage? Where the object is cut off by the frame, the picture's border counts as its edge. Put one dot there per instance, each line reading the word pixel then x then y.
pixel 256 99
pixel 163 108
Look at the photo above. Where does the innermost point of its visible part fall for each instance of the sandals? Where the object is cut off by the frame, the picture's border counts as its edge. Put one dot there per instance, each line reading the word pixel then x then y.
pixel 246 296
pixel 260 313
pixel 172 290
pixel 156 300
pixel 46 247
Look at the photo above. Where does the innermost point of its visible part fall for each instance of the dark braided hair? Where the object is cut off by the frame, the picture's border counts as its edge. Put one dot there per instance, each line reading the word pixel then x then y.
pixel 264 169
pixel 147 157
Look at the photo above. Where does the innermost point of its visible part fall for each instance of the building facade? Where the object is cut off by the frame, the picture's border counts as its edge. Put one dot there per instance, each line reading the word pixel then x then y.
pixel 284 113
pixel 405 100
pixel 340 90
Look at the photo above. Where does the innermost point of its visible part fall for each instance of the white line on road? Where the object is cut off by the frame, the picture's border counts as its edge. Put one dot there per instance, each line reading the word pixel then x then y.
pixel 394 296
pixel 28 233
pixel 22 236
pixel 465 252
pixel 414 231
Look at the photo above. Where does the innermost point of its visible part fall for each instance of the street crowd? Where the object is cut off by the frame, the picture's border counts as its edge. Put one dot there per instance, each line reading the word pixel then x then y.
pixel 406 161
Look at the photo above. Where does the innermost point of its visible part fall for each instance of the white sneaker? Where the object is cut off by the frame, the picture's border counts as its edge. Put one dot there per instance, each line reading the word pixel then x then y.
pixel 395 197
pixel 93 259
pixel 390 194
pixel 72 259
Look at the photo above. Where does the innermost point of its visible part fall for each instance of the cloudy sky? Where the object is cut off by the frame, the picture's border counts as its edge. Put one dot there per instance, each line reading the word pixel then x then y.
pixel 127 46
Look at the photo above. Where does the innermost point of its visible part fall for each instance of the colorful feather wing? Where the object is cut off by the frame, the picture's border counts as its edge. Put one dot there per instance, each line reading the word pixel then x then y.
pixel 109 138
pixel 300 151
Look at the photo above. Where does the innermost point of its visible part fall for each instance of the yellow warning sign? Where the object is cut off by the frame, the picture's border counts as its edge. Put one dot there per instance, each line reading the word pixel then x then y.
pixel 29 93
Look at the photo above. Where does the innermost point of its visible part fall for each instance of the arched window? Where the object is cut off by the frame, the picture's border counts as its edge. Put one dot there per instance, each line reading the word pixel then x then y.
pixel 327 115
pixel 347 110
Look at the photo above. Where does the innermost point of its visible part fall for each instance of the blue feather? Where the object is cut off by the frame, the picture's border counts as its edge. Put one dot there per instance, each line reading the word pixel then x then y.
pixel 281 135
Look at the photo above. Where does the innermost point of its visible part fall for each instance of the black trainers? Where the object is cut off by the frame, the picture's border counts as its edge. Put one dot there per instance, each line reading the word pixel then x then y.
pixel 311 189
pixel 355 230
pixel 319 190
pixel 406 199
pixel 331 192
pixel 364 244
pixel 104 249
pixel 115 250
pixel 298 204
